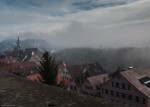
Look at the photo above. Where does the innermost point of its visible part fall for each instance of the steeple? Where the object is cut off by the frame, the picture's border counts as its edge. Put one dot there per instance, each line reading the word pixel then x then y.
pixel 18 45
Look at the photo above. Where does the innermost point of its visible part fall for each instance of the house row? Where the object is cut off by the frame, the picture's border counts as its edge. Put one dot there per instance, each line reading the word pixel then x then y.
pixel 12 65
pixel 85 78
pixel 130 87
pixel 30 54
pixel 21 61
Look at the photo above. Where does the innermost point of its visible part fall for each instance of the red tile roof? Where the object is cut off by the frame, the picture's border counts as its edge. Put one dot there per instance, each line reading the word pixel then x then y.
pixel 11 65
pixel 80 72
pixel 23 54
pixel 34 77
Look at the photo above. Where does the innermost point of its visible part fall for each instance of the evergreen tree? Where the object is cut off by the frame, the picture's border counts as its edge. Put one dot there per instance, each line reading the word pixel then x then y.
pixel 48 69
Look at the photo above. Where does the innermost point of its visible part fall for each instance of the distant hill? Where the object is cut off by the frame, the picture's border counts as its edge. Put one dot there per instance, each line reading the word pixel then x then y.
pixel 110 59
pixel 9 44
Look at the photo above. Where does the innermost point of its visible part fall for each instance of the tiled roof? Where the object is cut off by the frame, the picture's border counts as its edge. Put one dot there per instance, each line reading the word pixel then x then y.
pixel 8 60
pixel 24 68
pixel 134 76
pixel 86 70
pixel 34 77
pixel 23 54
pixel 98 80
pixel 75 72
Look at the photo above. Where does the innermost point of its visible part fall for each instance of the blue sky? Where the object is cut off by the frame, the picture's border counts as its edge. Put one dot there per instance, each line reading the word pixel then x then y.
pixel 75 23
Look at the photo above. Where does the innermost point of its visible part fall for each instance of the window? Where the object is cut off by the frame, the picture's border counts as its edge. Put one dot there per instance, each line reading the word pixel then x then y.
pixel 137 99
pixel 102 90
pixel 120 95
pixel 128 87
pixel 143 100
pixel 98 88
pixel 123 95
pixel 112 84
pixel 130 97
pixel 88 87
pixel 71 87
pixel 75 88
pixel 126 96
pixel 123 86
pixel 117 94
pixel 117 84
pixel 112 93
pixel 106 91
pixel 133 98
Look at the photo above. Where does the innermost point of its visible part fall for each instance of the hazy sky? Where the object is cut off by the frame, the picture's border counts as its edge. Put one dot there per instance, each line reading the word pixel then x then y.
pixel 71 23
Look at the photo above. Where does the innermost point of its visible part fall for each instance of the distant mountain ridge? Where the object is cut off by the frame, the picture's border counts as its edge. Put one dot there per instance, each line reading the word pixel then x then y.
pixel 7 44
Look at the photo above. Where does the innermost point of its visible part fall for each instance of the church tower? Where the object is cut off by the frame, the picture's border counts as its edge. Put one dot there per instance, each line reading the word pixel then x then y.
pixel 18 45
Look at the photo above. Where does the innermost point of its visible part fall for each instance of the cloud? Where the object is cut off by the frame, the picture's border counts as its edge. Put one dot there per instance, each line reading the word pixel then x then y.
pixel 105 23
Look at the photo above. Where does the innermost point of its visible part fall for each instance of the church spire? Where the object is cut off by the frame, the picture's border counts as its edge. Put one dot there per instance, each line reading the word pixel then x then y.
pixel 18 43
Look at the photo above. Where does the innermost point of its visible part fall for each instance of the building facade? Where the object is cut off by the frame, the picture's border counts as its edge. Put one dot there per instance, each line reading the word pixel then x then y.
pixel 91 85
pixel 126 87
pixel 86 78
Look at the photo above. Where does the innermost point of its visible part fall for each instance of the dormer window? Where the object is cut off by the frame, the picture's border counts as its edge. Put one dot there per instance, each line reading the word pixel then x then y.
pixel 145 81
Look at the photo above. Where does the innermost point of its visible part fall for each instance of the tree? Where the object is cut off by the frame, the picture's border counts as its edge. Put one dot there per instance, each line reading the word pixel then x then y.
pixel 48 69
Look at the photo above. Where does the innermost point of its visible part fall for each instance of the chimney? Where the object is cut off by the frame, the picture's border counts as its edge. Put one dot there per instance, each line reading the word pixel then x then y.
pixel 131 67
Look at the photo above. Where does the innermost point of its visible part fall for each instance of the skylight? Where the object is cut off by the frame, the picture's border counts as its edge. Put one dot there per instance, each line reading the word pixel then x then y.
pixel 145 80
